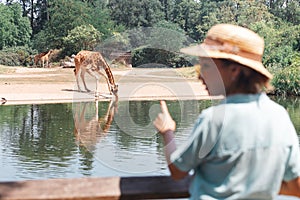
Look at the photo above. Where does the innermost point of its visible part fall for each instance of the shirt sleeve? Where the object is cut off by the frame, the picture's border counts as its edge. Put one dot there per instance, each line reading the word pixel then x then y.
pixel 201 141
pixel 292 170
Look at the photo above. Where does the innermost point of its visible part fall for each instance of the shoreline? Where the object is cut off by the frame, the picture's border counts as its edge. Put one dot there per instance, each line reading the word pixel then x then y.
pixel 58 85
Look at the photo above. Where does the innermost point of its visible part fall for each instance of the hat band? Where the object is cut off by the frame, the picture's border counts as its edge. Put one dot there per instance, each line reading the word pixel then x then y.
pixel 214 45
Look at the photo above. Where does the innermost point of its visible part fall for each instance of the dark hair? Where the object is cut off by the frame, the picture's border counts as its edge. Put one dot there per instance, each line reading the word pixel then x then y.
pixel 248 81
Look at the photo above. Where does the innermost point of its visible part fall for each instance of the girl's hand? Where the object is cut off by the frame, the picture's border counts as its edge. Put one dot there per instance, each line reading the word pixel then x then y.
pixel 164 121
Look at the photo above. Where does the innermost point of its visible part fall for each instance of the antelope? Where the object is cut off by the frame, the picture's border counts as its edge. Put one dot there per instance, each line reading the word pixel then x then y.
pixel 92 63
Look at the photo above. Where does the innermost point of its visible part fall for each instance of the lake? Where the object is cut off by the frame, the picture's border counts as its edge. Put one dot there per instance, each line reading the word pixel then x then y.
pixel 43 141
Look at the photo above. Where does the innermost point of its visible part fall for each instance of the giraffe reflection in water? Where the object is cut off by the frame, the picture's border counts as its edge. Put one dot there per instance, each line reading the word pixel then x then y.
pixel 89 126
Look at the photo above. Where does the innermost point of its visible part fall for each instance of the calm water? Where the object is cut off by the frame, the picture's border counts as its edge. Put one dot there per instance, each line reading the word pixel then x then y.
pixel 68 140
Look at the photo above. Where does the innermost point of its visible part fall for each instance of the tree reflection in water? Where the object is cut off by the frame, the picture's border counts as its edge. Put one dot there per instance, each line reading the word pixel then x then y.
pixel 38 141
pixel 35 141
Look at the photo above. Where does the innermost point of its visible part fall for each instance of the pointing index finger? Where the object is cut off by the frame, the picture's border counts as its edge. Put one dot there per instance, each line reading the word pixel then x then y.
pixel 164 107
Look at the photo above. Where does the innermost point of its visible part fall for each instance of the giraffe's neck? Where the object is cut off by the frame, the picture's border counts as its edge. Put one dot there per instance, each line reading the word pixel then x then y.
pixel 110 76
pixel 47 54
pixel 109 73
pixel 107 120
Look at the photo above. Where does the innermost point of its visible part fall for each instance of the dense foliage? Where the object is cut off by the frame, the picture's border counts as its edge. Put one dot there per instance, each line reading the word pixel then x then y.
pixel 81 37
pixel 287 80
pixel 17 56
pixel 14 28
pixel 72 25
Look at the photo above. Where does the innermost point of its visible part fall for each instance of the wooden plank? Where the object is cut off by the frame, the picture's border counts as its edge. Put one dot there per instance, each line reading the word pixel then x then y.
pixel 54 189
pixel 95 188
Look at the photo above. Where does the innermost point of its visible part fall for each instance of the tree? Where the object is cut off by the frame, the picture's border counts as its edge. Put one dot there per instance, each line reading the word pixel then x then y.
pixel 81 37
pixel 36 11
pixel 239 12
pixel 135 13
pixel 168 6
pixel 288 10
pixel 14 28
pixel 65 15
pixel 99 17
pixel 39 15
pixel 186 14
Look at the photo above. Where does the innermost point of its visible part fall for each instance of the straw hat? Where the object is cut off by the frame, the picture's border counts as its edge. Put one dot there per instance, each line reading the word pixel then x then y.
pixel 233 43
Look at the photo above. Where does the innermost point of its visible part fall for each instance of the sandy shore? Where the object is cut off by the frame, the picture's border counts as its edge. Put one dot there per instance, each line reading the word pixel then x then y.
pixel 57 85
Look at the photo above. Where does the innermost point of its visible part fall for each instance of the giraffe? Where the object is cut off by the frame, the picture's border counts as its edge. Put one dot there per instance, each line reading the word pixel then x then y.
pixel 37 58
pixel 42 58
pixel 92 63
pixel 45 58
pixel 89 129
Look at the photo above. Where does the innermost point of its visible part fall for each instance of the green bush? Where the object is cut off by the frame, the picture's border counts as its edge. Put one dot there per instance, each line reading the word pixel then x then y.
pixel 17 56
pixel 9 59
pixel 81 37
pixel 150 57
pixel 287 81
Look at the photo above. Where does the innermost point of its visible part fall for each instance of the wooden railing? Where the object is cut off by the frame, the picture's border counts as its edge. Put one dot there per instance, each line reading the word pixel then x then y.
pixel 156 187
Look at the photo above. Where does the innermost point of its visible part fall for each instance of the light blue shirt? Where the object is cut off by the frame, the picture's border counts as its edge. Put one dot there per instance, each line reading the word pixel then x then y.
pixel 240 149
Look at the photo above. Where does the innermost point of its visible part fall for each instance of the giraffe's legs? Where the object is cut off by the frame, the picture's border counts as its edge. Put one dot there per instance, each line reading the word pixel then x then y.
pixel 77 72
pixel 83 80
pixel 97 110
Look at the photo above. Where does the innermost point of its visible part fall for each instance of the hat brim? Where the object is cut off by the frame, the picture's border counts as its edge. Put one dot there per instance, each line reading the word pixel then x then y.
pixel 202 51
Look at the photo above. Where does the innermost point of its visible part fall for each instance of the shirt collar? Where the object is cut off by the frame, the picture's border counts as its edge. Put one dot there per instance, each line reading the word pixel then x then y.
pixel 244 98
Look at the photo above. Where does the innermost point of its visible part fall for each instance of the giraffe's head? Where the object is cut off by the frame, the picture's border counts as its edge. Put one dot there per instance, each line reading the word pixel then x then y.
pixel 114 89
